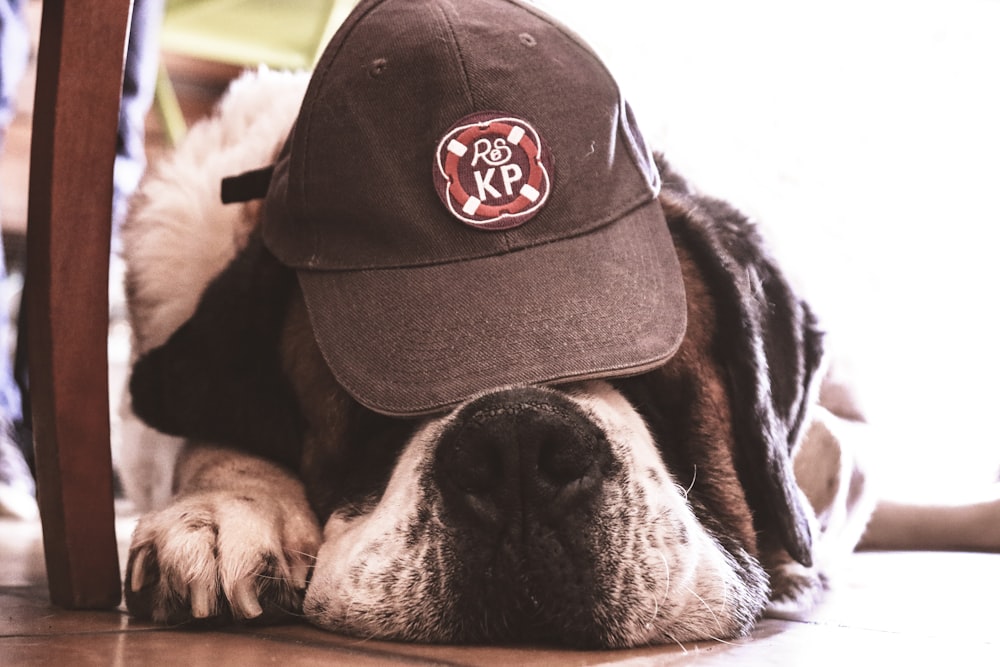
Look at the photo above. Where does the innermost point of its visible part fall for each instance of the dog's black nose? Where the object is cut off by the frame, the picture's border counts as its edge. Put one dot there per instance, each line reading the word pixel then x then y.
pixel 524 452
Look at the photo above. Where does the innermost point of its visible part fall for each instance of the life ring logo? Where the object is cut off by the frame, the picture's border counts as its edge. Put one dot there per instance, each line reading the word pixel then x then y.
pixel 492 171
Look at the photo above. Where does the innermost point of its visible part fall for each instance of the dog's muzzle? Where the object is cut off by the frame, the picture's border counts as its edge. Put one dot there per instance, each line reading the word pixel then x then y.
pixel 532 515
pixel 521 473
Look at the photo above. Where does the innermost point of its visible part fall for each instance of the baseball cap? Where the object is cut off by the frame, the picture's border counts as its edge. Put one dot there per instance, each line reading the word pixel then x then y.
pixel 468 204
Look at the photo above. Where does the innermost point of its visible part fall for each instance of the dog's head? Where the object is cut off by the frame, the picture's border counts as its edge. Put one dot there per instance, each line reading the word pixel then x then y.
pixel 602 513
pixel 636 486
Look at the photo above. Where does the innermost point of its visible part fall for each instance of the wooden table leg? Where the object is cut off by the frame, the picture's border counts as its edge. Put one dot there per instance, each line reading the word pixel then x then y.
pixel 81 51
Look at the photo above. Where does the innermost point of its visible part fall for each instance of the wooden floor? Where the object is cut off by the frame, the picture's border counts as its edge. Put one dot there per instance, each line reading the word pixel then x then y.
pixel 888 609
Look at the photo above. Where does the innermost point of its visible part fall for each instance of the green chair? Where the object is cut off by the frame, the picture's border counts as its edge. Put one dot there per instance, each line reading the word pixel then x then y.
pixel 283 34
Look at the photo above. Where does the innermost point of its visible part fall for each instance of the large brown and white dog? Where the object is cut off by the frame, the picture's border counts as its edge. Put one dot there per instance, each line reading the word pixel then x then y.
pixel 677 505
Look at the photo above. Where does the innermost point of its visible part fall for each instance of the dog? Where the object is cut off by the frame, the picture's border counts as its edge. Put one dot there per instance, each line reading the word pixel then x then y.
pixel 679 502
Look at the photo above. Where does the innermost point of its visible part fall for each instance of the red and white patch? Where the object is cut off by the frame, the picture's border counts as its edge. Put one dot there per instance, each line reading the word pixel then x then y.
pixel 492 171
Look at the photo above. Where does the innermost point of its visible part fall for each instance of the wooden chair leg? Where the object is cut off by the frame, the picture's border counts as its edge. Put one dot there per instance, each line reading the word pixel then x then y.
pixel 81 51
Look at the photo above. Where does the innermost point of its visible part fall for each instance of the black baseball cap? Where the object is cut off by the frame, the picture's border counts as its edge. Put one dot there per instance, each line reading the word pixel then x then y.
pixel 468 204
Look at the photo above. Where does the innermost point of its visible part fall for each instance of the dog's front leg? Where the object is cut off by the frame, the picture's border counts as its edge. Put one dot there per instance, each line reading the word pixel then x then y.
pixel 236 543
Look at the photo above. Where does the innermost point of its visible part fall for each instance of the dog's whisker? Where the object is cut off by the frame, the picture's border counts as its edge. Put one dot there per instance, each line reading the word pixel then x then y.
pixel 666 584
pixel 694 477
pixel 658 600
pixel 719 640
pixel 352 611
pixel 676 641
pixel 708 608
pixel 295 614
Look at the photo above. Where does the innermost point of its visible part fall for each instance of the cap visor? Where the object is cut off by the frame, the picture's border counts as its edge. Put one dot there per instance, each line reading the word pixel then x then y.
pixel 416 340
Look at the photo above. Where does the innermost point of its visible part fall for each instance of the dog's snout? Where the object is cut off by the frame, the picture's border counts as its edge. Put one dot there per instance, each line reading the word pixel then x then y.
pixel 520 451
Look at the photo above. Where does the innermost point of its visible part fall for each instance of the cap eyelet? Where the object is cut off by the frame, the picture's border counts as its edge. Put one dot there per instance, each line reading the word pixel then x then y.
pixel 377 67
pixel 527 39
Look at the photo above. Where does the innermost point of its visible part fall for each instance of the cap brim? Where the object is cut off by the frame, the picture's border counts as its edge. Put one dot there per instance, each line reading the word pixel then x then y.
pixel 416 340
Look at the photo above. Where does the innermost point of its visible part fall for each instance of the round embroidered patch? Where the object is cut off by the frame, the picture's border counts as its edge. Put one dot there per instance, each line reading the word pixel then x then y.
pixel 493 171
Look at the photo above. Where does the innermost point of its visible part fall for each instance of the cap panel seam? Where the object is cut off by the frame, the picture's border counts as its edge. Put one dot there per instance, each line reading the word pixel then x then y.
pixel 458 55
pixel 469 93
pixel 317 82
pixel 466 80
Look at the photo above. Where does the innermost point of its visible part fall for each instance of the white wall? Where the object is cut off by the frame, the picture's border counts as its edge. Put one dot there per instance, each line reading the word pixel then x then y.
pixel 866 136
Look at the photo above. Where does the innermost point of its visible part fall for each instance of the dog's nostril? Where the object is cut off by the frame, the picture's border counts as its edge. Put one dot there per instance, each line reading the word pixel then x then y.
pixel 565 456
pixel 477 463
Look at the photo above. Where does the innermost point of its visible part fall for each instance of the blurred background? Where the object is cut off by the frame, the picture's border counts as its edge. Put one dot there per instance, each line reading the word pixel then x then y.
pixel 862 135
pixel 865 137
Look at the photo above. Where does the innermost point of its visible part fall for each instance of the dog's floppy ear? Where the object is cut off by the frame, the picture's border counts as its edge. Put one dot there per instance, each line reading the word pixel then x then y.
pixel 770 349
pixel 218 378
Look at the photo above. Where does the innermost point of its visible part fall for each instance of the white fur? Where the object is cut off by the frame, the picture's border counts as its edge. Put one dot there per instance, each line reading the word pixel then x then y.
pixel 179 235
pixel 347 591
pixel 180 228
pixel 697 593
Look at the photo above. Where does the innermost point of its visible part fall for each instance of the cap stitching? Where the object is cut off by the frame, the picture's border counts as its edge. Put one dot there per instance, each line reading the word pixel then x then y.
pixel 459 56
pixel 440 405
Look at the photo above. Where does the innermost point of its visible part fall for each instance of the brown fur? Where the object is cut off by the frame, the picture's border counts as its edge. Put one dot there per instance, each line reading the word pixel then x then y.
pixel 715 471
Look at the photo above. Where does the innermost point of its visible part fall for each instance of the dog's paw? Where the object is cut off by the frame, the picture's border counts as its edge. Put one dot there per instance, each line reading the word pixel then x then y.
pixel 795 591
pixel 220 556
